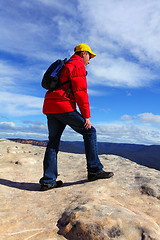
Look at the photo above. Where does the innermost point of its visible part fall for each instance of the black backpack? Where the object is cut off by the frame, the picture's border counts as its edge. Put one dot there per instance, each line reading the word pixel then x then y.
pixel 50 79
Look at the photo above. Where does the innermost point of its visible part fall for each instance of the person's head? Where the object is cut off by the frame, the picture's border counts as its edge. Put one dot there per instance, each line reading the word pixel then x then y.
pixel 85 52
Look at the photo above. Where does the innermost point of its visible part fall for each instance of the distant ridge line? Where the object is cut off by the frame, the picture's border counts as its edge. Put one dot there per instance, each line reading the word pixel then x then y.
pixel 148 156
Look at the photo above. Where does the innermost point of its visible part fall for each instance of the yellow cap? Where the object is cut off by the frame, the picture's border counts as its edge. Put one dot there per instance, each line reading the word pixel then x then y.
pixel 84 47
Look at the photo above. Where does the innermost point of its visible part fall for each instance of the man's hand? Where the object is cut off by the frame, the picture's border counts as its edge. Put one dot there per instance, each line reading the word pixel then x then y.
pixel 87 124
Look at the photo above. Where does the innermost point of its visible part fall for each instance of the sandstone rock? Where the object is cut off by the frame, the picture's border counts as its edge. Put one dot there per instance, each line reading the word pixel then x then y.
pixel 125 207
pixel 106 221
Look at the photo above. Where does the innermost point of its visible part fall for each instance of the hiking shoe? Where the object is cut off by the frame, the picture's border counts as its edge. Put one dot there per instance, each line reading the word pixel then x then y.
pixel 45 187
pixel 101 175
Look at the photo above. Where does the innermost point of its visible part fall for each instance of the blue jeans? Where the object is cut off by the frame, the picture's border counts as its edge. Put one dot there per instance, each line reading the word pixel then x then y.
pixel 56 126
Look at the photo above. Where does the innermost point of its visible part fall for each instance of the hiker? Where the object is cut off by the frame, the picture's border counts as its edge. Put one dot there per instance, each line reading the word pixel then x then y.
pixel 60 109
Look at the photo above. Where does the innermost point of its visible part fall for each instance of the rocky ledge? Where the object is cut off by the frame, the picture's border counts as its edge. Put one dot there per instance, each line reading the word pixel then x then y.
pixel 125 207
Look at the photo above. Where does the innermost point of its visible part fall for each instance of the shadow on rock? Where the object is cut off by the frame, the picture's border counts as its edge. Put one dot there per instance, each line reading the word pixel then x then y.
pixel 67 184
pixel 20 185
pixel 33 186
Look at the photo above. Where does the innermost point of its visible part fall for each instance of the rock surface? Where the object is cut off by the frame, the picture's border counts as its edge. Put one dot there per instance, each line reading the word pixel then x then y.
pixel 125 207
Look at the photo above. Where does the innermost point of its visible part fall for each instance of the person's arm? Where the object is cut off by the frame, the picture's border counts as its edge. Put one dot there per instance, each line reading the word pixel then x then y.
pixel 79 87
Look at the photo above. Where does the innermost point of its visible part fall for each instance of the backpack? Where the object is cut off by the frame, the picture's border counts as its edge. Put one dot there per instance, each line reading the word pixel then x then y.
pixel 50 79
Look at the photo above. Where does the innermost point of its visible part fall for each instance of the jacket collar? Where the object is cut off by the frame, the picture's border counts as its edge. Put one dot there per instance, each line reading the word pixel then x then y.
pixel 75 56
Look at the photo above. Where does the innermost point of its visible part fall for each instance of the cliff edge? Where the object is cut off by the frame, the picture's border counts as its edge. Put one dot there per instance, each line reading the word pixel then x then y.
pixel 125 207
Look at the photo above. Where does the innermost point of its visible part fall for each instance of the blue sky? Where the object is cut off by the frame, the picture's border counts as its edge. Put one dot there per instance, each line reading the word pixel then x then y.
pixel 123 79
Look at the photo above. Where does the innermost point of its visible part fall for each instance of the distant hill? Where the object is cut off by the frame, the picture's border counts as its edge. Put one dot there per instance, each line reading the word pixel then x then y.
pixel 142 154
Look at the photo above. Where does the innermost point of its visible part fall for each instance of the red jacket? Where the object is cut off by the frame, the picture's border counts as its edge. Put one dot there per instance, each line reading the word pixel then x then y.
pixel 59 101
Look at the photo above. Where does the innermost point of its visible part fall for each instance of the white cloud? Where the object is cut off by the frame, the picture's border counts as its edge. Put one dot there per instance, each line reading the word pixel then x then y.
pixel 131 25
pixel 142 128
pixel 15 77
pixel 7 126
pixel 6 75
pixel 123 35
pixel 119 73
pixel 92 92
pixel 128 133
pixel 116 132
pixel 20 105
pixel 126 117
pixel 149 118
pixel 37 29
pixel 32 130
pixel 138 129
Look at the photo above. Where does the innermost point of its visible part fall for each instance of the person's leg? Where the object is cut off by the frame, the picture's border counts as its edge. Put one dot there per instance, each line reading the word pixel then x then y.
pixel 55 128
pixel 76 122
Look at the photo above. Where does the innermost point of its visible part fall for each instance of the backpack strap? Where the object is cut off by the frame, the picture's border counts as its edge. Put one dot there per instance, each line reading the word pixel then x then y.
pixel 69 89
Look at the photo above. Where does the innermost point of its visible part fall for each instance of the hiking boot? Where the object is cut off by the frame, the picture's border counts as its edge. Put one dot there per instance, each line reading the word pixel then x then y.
pixel 45 187
pixel 101 175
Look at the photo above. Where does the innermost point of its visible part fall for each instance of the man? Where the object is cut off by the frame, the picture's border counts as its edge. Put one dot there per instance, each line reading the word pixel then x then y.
pixel 60 109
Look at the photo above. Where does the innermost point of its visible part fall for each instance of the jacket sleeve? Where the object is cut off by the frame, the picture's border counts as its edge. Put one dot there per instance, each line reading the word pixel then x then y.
pixel 79 88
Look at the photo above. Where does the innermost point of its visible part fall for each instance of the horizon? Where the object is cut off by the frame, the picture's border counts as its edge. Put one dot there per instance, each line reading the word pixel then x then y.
pixel 30 139
pixel 123 79
pixel 146 155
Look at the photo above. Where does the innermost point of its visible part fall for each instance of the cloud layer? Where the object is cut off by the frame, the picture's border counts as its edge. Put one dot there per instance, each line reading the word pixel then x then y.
pixel 131 131
pixel 124 34
pixel 17 105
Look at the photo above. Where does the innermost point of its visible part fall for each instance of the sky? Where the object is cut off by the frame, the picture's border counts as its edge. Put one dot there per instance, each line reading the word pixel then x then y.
pixel 123 79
